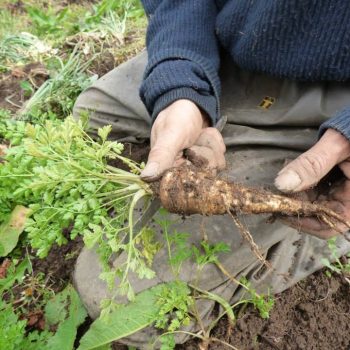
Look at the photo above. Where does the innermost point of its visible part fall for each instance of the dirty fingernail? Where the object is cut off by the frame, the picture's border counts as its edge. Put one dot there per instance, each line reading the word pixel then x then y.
pixel 287 181
pixel 150 171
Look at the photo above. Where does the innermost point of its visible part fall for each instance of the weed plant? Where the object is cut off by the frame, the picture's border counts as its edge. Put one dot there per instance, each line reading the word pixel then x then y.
pixel 337 266
pixel 57 95
pixel 22 48
pixel 62 174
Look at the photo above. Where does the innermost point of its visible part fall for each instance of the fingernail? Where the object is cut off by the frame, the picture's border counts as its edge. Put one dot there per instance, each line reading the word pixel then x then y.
pixel 151 170
pixel 287 181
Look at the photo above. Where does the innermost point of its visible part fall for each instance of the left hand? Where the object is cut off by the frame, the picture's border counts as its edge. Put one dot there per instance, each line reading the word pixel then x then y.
pixel 333 149
pixel 182 126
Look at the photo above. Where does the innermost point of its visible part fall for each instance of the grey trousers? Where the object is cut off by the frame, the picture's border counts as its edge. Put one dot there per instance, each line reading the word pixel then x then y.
pixel 269 121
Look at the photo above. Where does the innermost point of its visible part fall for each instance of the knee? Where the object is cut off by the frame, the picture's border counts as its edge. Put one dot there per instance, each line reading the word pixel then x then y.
pixel 82 105
pixel 89 102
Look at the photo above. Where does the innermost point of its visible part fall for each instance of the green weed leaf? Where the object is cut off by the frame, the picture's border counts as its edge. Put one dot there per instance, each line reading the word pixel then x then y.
pixel 67 310
pixel 104 132
pixel 125 320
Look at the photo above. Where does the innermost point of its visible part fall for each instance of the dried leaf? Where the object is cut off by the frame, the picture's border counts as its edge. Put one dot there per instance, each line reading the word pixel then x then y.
pixel 11 229
pixel 3 268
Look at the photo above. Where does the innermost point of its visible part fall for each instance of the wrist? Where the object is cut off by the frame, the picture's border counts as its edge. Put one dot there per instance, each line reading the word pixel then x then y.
pixel 339 144
pixel 205 103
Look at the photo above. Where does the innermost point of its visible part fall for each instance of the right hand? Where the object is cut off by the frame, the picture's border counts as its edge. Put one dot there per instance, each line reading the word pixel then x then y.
pixel 182 126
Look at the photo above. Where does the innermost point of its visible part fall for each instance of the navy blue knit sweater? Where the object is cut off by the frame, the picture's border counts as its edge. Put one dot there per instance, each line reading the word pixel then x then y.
pixel 306 40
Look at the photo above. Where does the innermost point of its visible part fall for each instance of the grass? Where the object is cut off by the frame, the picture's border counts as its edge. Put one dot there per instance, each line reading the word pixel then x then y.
pixel 22 48
pixel 135 30
pixel 57 95
pixel 53 21
pixel 10 24
pixel 66 40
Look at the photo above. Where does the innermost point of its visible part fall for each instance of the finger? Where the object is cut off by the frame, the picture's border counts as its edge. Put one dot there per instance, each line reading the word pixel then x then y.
pixel 169 137
pixel 312 226
pixel 161 157
pixel 211 138
pixel 179 155
pixel 309 168
pixel 345 168
pixel 179 162
pixel 315 224
pixel 166 147
pixel 340 198
pixel 202 157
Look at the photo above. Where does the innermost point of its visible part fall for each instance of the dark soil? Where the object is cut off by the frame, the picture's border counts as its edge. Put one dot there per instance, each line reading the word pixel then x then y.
pixel 104 64
pixel 312 315
pixel 137 152
pixel 58 266
pixel 12 96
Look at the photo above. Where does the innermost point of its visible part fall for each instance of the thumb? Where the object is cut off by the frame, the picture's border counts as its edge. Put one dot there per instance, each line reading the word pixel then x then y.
pixel 310 167
pixel 159 160
pixel 166 144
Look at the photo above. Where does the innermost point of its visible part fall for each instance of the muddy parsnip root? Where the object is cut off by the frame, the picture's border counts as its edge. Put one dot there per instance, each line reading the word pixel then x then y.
pixel 186 190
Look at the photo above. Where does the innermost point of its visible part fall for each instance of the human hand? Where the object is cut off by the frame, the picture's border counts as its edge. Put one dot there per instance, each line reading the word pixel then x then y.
pixel 182 126
pixel 308 169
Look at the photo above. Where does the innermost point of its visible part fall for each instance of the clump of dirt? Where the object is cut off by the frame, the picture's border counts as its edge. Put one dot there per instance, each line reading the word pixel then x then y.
pixel 134 43
pixel 12 96
pixel 103 64
pixel 313 315
pixel 16 7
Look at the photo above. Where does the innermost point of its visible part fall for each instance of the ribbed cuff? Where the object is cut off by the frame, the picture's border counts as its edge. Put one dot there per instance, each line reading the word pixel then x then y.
pixel 206 102
pixel 205 65
pixel 340 122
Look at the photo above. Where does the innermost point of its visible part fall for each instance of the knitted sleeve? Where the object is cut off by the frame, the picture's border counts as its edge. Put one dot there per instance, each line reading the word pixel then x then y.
pixel 340 122
pixel 183 55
